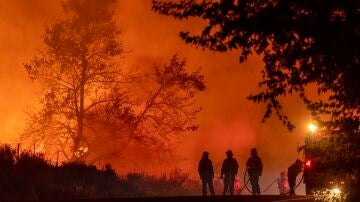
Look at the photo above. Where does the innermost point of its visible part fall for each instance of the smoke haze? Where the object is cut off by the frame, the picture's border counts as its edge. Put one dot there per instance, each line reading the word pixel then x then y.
pixel 227 120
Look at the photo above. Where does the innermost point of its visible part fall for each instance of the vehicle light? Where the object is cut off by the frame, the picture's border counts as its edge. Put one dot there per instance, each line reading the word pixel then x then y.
pixel 336 190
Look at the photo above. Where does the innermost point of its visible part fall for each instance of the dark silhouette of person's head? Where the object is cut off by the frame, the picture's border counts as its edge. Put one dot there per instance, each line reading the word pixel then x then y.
pixel 229 153
pixel 254 152
pixel 205 155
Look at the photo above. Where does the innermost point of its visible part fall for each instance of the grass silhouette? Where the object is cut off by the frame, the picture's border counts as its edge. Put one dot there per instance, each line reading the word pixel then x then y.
pixel 29 176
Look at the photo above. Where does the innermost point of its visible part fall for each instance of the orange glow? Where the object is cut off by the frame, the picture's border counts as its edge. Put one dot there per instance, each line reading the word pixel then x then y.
pixel 227 120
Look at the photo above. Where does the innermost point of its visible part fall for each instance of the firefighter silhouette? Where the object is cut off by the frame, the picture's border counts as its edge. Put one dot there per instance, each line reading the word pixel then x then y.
pixel 293 171
pixel 229 169
pixel 254 167
pixel 206 172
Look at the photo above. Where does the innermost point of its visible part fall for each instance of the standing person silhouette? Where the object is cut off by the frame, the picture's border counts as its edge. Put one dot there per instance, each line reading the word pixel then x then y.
pixel 229 169
pixel 254 167
pixel 206 172
pixel 293 171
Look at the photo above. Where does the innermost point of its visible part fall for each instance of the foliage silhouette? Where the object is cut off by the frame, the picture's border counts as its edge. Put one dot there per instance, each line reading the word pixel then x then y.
pixel 304 45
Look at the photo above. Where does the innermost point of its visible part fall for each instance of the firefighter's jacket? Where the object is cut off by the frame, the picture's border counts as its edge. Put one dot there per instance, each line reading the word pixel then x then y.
pixel 294 170
pixel 229 167
pixel 255 166
pixel 206 170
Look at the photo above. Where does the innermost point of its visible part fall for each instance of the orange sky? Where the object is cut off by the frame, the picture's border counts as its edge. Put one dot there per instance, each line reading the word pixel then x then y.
pixel 227 121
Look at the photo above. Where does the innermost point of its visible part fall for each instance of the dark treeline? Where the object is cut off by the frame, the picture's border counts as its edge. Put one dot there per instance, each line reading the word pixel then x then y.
pixel 27 175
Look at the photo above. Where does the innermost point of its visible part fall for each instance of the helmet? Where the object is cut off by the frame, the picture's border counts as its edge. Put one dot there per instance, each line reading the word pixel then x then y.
pixel 205 155
pixel 254 152
pixel 229 152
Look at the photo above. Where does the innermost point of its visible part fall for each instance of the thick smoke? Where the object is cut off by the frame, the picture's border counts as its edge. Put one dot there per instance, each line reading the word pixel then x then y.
pixel 227 121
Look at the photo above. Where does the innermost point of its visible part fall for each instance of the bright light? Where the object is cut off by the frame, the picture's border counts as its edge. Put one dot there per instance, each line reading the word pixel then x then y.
pixel 312 127
pixel 81 151
pixel 308 163
pixel 336 190
pixel 334 194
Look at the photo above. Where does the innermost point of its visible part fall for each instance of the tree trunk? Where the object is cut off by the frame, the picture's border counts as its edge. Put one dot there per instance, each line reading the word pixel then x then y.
pixel 80 117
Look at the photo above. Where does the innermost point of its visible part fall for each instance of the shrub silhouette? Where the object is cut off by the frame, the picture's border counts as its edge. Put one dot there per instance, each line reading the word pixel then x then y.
pixel 30 176
pixel 7 158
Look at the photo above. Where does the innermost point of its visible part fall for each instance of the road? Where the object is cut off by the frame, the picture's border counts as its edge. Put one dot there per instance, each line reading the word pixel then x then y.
pixel 237 198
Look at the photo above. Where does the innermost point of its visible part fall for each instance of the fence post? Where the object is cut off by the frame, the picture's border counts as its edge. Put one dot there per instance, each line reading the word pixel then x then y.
pixel 18 151
pixel 57 157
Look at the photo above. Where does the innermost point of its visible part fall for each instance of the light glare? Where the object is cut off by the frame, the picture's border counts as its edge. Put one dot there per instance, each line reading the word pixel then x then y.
pixel 312 127
pixel 336 190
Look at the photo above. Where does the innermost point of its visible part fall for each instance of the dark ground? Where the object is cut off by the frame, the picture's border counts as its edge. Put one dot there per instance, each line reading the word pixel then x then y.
pixel 239 198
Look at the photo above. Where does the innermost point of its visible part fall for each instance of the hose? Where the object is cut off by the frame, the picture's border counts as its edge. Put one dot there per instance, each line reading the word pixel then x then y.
pixel 267 188
pixel 245 185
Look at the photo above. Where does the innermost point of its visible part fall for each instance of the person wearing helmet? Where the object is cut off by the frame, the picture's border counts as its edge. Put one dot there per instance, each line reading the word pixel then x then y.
pixel 206 172
pixel 254 168
pixel 229 169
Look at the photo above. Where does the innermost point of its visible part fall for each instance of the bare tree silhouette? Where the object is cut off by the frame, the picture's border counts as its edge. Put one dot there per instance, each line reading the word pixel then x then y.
pixel 90 104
